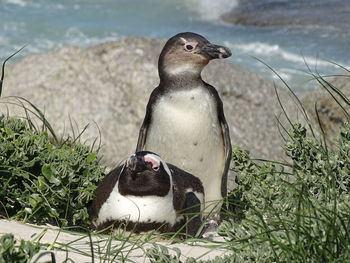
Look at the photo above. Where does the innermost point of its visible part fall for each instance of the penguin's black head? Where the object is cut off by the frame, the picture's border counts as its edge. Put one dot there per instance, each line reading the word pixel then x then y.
pixel 188 53
pixel 145 173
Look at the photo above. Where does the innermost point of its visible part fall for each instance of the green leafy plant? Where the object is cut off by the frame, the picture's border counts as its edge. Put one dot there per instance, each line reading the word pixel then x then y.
pixel 10 252
pixel 45 182
pixel 159 253
pixel 300 215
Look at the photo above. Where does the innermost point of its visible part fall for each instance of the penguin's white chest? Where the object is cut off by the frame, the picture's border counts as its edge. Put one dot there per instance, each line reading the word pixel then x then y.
pixel 144 209
pixel 186 132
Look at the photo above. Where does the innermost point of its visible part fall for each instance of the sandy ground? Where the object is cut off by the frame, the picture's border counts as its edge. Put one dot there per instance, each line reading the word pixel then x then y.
pixel 76 246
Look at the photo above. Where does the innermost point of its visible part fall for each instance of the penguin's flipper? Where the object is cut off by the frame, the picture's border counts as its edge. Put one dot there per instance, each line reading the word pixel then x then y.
pixel 192 211
pixel 142 136
pixel 228 155
pixel 144 127
pixel 147 120
pixel 226 138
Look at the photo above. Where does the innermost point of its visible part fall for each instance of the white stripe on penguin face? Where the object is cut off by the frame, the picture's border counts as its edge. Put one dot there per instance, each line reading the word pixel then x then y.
pixel 154 158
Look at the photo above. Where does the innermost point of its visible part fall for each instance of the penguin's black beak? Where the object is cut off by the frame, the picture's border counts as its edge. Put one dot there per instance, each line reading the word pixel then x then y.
pixel 135 163
pixel 212 51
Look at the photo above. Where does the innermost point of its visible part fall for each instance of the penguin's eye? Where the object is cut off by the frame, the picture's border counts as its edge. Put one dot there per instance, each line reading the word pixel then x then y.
pixel 152 166
pixel 189 47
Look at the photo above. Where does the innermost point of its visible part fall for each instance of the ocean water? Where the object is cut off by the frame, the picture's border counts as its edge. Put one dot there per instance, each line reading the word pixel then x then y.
pixel 42 25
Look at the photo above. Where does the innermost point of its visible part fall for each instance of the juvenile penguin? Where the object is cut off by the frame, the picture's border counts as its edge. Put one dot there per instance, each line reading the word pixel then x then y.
pixel 146 193
pixel 185 121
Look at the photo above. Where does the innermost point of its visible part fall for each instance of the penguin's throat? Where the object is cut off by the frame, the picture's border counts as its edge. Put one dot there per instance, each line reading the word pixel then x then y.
pixel 182 70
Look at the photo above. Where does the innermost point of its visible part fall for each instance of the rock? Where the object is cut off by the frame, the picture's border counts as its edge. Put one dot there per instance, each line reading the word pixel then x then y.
pixel 108 86
pixel 287 13
pixel 332 116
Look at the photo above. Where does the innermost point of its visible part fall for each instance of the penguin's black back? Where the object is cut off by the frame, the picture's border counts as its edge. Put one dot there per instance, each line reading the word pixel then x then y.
pixel 183 181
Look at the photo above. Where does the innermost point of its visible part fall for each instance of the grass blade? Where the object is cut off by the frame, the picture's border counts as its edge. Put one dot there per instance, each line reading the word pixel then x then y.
pixel 3 68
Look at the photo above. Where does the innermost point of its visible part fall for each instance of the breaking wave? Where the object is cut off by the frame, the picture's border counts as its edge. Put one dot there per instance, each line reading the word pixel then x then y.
pixel 16 2
pixel 209 9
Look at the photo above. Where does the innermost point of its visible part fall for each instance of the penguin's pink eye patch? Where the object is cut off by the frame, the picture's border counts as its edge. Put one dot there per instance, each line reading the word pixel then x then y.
pixel 154 161
pixel 189 46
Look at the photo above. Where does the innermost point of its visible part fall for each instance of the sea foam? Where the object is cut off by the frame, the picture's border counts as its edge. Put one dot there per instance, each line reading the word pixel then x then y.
pixel 260 49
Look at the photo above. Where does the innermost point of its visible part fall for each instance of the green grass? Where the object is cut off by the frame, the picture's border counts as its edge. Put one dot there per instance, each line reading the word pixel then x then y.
pixel 296 211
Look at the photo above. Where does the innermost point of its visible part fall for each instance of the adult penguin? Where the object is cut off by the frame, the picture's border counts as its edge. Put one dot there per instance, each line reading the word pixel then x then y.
pixel 185 121
pixel 146 193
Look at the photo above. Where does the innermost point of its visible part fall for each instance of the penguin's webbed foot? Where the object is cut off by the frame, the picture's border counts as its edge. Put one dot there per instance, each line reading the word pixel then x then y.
pixel 211 227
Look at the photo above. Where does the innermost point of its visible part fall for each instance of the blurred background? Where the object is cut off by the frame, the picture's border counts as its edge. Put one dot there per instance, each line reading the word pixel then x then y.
pixel 286 34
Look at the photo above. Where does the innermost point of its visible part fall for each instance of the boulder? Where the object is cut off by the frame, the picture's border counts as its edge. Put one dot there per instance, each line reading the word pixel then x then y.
pixel 331 114
pixel 108 86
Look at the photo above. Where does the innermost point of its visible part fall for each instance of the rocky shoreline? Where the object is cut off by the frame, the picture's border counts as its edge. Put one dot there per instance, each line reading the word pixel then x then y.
pixel 108 86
